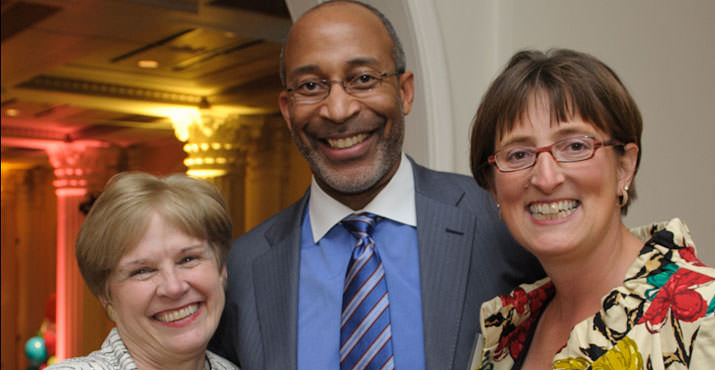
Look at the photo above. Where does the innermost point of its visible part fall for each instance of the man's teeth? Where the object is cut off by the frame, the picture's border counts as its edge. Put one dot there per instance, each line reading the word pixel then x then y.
pixel 178 314
pixel 346 142
pixel 549 211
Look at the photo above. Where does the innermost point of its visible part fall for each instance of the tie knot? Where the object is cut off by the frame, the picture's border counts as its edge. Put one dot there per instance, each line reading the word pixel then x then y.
pixel 361 224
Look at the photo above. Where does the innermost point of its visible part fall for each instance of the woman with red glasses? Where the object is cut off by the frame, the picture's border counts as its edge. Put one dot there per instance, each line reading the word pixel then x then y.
pixel 557 141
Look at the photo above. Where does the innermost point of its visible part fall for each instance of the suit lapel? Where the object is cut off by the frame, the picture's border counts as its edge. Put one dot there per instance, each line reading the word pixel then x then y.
pixel 275 275
pixel 445 234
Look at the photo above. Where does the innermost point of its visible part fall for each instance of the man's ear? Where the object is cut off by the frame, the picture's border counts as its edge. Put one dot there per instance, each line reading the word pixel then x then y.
pixel 284 105
pixel 407 91
pixel 627 165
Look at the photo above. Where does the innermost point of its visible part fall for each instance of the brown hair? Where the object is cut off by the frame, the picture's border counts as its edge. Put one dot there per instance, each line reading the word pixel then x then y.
pixel 572 83
pixel 120 217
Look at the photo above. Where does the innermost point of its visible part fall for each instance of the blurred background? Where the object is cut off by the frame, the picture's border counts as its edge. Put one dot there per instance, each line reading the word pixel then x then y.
pixel 93 87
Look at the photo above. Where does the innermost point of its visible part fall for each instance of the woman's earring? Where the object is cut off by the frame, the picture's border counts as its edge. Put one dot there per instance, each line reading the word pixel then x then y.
pixel 623 198
pixel 111 313
pixel 499 211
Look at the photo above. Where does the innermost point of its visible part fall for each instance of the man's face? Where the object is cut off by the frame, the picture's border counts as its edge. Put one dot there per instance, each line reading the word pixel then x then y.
pixel 353 145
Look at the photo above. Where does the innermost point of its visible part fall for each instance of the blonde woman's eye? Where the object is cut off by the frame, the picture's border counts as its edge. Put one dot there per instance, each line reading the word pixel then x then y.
pixel 140 271
pixel 189 260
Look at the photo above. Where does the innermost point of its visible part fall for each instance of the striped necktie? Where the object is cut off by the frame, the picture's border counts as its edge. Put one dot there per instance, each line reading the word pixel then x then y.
pixel 365 331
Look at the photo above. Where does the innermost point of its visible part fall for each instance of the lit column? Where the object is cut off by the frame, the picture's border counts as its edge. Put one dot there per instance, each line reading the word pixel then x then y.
pixel 215 144
pixel 77 166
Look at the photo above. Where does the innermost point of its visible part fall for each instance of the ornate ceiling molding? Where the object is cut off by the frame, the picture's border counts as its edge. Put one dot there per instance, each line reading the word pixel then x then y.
pixel 84 87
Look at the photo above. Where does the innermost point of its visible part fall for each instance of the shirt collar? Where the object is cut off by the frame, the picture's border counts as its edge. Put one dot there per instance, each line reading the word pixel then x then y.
pixel 395 201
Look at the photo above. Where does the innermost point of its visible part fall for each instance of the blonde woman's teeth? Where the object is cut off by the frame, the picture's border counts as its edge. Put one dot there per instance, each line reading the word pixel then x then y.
pixel 179 314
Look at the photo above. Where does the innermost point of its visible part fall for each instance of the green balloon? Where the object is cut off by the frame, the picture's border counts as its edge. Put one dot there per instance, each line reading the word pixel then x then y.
pixel 35 350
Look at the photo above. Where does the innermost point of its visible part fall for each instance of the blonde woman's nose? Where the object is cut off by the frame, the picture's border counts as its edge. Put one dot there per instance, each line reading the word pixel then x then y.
pixel 172 284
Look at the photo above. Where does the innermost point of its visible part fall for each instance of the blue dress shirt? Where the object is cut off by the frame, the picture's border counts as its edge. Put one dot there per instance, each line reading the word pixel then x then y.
pixel 323 264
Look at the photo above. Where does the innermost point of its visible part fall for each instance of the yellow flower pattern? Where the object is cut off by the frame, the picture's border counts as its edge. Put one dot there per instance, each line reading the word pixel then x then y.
pixel 571 364
pixel 624 356
pixel 662 317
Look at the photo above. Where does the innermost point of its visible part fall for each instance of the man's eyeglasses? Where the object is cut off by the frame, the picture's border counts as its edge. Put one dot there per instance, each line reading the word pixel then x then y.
pixel 571 149
pixel 360 85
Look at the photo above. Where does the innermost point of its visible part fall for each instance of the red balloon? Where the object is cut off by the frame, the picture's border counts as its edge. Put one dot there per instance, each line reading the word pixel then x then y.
pixel 51 308
pixel 50 338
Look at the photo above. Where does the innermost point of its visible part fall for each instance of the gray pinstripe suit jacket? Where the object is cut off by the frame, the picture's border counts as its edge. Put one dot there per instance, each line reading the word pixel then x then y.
pixel 466 257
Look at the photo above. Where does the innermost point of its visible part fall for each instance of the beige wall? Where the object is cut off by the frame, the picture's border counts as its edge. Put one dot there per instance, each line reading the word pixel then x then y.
pixel 662 50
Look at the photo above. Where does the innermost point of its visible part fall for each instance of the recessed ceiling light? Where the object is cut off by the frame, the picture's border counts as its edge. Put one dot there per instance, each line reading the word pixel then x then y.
pixel 148 64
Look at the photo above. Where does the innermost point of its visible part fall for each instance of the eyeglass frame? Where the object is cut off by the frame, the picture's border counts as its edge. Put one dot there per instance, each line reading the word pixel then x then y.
pixel 342 82
pixel 597 144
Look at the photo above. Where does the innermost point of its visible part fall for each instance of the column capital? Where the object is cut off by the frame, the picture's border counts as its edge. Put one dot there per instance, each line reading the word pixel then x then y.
pixel 81 165
pixel 215 142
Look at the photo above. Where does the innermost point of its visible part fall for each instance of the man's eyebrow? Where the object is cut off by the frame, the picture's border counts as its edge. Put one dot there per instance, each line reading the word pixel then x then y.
pixel 363 61
pixel 352 63
pixel 310 68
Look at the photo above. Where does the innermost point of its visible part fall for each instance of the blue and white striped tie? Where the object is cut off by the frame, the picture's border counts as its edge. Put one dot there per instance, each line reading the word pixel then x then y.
pixel 365 332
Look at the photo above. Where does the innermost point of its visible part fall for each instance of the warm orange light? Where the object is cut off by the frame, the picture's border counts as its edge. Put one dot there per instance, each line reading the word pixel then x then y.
pixel 67 192
pixel 148 64
pixel 12 112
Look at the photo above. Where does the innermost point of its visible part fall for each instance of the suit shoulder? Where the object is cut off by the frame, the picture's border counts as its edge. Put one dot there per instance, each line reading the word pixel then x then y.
pixel 283 219
pixel 280 224
pixel 426 175
pixel 440 183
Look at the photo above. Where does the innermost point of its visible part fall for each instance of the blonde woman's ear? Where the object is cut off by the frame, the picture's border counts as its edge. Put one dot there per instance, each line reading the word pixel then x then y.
pixel 111 313
pixel 224 275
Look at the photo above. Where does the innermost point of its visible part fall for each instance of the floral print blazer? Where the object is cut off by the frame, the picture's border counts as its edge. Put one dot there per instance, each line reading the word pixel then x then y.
pixel 662 317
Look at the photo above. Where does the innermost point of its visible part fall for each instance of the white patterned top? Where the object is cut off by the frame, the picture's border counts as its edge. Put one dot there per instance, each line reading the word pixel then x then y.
pixel 114 356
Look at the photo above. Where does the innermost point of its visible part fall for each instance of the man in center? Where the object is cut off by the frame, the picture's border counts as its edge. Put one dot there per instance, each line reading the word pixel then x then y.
pixel 306 289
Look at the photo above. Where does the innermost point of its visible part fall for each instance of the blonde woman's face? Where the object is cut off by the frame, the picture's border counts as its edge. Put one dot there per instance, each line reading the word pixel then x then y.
pixel 167 294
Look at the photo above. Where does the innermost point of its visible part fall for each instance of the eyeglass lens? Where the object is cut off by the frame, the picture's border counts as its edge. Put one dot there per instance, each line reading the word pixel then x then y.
pixel 359 85
pixel 572 149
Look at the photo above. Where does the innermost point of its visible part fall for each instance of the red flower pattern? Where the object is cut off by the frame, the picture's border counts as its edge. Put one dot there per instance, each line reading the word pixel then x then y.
pixel 519 300
pixel 677 296
pixel 688 254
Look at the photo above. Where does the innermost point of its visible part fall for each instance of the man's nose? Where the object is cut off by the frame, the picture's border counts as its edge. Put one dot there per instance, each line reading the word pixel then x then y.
pixel 339 106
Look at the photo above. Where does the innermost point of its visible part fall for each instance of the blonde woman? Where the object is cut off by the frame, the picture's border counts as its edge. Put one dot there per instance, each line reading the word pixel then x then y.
pixel 152 250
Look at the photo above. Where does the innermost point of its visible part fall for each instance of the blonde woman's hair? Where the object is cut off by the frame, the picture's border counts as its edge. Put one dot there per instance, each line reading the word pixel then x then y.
pixel 119 219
